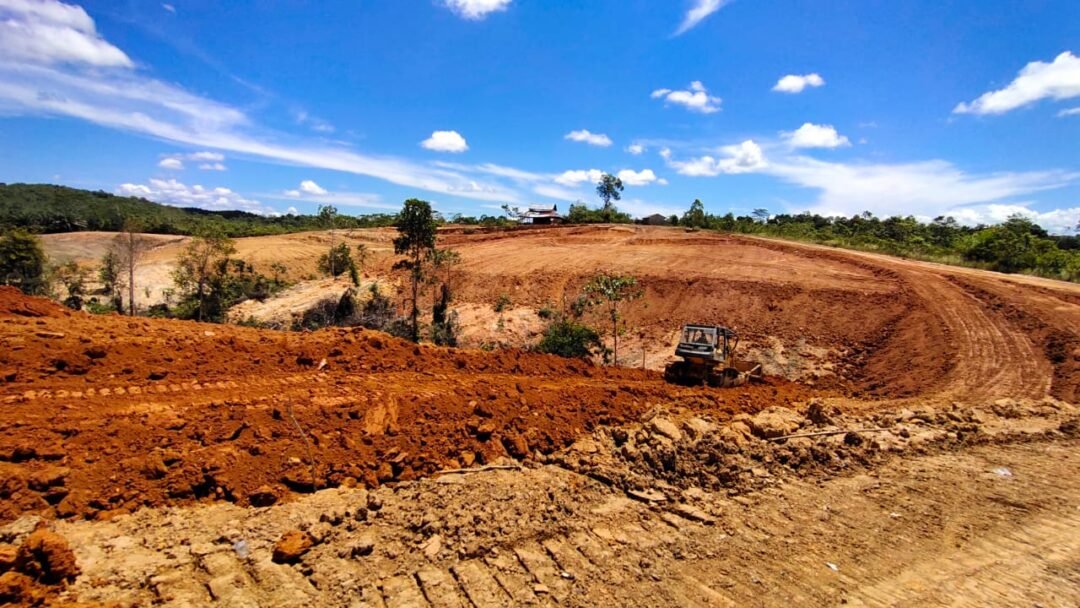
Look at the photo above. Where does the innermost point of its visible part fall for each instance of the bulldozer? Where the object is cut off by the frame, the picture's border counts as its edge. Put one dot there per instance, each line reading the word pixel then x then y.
pixel 708 357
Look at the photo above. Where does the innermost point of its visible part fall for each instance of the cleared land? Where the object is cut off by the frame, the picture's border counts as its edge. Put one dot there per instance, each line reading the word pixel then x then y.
pixel 636 490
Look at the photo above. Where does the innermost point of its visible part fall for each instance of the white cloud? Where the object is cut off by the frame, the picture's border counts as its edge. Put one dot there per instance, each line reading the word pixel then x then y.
pixel 476 10
pixel 50 32
pixel 310 187
pixel 172 192
pixel 587 137
pixel 637 178
pixel 445 141
pixel 636 149
pixel 922 188
pixel 698 12
pixel 815 136
pixel 1059 79
pixel 312 192
pixel 746 157
pixel 208 161
pixel 169 7
pixel 696 99
pixel 578 177
pixel 641 208
pixel 796 84
pixel 1056 221
pixel 1069 112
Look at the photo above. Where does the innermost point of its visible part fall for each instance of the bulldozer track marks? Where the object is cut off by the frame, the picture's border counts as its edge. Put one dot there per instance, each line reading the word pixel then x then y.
pixel 939 530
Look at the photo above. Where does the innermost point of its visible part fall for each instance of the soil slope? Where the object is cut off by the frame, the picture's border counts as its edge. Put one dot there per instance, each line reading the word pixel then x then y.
pixel 104 414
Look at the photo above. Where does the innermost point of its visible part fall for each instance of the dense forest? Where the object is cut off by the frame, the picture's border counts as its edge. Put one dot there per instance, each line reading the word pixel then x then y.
pixel 45 208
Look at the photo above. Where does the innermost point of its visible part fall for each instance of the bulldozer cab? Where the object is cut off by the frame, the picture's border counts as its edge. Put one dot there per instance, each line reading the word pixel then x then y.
pixel 707 353
pixel 706 342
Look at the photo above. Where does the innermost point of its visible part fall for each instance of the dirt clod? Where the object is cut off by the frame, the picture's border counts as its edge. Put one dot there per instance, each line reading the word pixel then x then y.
pixel 292 546
pixel 46 557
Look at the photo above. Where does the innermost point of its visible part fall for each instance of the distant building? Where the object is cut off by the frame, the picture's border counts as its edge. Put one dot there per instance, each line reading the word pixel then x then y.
pixel 655 219
pixel 541 214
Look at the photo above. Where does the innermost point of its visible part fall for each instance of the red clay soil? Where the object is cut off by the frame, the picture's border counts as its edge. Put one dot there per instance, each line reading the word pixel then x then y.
pixel 100 415
pixel 901 329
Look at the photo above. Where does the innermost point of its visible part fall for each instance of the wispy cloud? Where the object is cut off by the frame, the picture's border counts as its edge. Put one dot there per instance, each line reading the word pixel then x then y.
pixel 207 161
pixel 97 87
pixel 697 13
pixel 311 192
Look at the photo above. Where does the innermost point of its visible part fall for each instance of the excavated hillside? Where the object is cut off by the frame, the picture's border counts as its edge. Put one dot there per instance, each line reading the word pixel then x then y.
pixel 105 414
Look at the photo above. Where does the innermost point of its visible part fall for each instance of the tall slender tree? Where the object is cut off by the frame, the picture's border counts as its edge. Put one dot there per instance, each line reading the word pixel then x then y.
pixel 416 241
pixel 131 246
pixel 328 216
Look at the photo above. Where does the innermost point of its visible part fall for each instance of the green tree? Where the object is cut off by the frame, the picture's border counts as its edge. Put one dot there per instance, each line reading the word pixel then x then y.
pixel 416 241
pixel 23 262
pixel 111 280
pixel 198 262
pixel 761 214
pixel 611 291
pixel 695 216
pixel 337 261
pixel 609 188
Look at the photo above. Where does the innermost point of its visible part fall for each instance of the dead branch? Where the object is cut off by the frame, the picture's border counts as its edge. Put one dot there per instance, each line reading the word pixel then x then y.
pixel 307 444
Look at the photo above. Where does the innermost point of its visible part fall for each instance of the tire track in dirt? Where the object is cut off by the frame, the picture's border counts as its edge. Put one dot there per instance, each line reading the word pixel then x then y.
pixel 993 359
pixel 956 342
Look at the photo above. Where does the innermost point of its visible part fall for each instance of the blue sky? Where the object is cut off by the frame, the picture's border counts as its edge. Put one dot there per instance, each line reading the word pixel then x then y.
pixel 968 108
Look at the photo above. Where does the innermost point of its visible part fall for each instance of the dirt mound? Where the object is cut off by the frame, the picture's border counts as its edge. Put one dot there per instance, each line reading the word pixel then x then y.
pixel 14 302
pixel 35 571
pixel 103 415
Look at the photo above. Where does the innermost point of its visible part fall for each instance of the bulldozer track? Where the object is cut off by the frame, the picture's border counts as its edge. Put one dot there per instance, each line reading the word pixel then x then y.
pixel 939 530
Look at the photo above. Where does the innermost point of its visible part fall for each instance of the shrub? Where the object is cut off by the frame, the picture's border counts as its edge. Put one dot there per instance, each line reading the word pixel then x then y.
pixel 567 338
pixel 502 303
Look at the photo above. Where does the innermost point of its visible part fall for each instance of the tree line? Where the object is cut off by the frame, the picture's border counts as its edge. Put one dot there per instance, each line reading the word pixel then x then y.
pixel 1016 245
